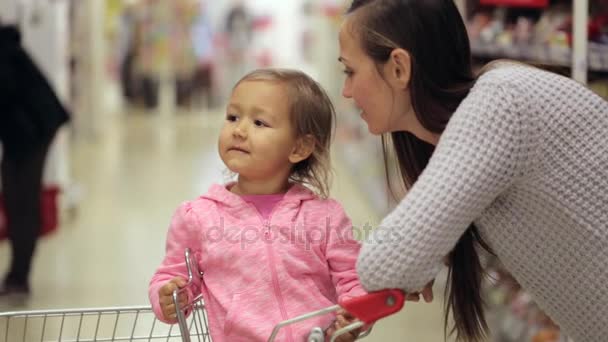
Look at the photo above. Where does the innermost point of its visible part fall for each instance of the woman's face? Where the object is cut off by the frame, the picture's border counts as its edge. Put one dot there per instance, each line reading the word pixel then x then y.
pixel 382 106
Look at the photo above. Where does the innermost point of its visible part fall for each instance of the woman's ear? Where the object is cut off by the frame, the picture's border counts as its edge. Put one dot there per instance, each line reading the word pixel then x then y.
pixel 399 68
pixel 303 149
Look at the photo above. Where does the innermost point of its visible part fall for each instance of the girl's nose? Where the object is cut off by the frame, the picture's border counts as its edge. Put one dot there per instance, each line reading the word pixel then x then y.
pixel 240 130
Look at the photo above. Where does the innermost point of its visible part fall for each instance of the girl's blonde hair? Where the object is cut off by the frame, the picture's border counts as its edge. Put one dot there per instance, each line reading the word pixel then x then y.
pixel 311 113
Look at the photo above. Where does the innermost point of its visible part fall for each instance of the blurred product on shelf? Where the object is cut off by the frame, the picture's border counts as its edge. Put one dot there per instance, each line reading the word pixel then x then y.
pixel 542 36
pixel 160 41
pixel 513 315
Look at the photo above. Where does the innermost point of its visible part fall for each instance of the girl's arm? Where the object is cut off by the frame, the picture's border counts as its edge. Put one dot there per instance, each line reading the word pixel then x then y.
pixel 184 232
pixel 481 153
pixel 341 252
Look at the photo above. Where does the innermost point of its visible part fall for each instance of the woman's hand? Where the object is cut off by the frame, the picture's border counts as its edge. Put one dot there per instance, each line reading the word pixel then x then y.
pixel 427 294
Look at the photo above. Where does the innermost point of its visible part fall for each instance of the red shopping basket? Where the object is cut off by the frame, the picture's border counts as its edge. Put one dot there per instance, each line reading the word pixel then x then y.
pixel 48 206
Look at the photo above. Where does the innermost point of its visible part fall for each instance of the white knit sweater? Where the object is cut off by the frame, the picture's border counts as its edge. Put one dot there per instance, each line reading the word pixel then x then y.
pixel 524 157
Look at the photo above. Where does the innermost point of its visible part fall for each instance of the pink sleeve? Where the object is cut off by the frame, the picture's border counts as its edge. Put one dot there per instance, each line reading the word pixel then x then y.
pixel 183 233
pixel 341 252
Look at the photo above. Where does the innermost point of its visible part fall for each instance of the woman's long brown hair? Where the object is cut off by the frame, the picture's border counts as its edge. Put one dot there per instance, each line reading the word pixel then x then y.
pixel 433 33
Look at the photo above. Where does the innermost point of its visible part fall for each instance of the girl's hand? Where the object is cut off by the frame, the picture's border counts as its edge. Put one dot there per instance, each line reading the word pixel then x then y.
pixel 165 298
pixel 343 319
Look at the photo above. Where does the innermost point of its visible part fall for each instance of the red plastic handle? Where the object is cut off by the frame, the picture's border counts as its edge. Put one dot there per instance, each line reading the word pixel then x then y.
pixel 375 305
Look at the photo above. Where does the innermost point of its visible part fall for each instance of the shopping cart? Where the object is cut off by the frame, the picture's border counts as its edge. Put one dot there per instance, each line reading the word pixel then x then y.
pixel 138 323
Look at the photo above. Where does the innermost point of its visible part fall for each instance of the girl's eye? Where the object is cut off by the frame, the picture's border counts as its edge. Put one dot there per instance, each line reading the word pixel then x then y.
pixel 348 72
pixel 231 117
pixel 259 123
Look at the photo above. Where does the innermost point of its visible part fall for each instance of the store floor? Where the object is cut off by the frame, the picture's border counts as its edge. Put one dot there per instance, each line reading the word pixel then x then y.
pixel 132 179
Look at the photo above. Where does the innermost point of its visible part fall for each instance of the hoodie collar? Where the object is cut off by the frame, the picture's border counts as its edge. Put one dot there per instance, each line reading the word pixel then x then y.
pixel 220 194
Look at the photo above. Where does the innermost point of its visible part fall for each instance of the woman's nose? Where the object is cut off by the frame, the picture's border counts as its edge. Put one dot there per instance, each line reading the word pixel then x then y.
pixel 346 91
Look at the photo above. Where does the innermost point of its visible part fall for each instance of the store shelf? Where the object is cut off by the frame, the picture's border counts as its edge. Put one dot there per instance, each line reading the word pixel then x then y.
pixel 517 3
pixel 556 34
pixel 597 56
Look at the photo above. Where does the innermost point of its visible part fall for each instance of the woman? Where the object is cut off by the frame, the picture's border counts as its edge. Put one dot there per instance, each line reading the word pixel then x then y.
pixel 514 161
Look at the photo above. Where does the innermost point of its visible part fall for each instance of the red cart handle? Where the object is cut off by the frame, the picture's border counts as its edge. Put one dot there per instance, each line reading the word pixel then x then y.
pixel 375 305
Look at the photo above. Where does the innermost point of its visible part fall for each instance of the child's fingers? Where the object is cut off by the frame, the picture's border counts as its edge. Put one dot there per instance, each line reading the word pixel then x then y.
pixel 165 297
pixel 168 300
pixel 345 313
pixel 172 285
pixel 182 301
pixel 169 312
pixel 338 324
pixel 165 300
pixel 167 289
pixel 344 338
pixel 179 281
pixel 182 298
pixel 341 321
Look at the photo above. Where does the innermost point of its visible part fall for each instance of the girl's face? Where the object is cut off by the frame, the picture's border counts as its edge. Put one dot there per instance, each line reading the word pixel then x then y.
pixel 257 140
pixel 382 105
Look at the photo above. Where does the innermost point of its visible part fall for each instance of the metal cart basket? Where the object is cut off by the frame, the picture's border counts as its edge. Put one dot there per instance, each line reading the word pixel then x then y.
pixel 138 323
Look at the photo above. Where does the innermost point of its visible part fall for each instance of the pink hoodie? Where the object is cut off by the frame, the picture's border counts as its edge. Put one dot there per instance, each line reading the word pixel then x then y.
pixel 260 272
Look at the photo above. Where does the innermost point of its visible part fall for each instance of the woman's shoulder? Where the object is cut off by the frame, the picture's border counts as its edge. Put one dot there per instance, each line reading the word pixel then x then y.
pixel 512 85
pixel 517 76
pixel 505 74
pixel 497 87
pixel 497 105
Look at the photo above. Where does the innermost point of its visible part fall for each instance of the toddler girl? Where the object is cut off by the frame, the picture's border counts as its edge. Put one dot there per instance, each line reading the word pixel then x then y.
pixel 271 245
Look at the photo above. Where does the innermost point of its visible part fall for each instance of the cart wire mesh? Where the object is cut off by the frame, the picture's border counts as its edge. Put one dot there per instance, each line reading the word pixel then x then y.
pixel 136 323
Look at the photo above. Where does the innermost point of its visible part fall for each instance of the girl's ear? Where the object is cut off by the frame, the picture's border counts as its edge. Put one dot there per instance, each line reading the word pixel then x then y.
pixel 303 149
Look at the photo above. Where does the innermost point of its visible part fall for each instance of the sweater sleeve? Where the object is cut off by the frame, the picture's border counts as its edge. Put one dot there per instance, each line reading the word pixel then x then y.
pixel 182 234
pixel 480 154
pixel 341 253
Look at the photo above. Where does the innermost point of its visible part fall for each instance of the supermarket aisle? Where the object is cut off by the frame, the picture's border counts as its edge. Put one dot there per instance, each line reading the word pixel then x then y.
pixel 132 180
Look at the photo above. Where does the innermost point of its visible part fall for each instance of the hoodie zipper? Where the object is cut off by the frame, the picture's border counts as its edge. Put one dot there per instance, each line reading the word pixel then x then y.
pixel 273 268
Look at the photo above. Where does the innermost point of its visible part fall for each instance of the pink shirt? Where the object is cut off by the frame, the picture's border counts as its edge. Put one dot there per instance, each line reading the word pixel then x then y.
pixel 261 271
pixel 263 203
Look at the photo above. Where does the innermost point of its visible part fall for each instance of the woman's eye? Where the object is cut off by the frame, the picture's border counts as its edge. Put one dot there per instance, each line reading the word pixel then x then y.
pixel 348 72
